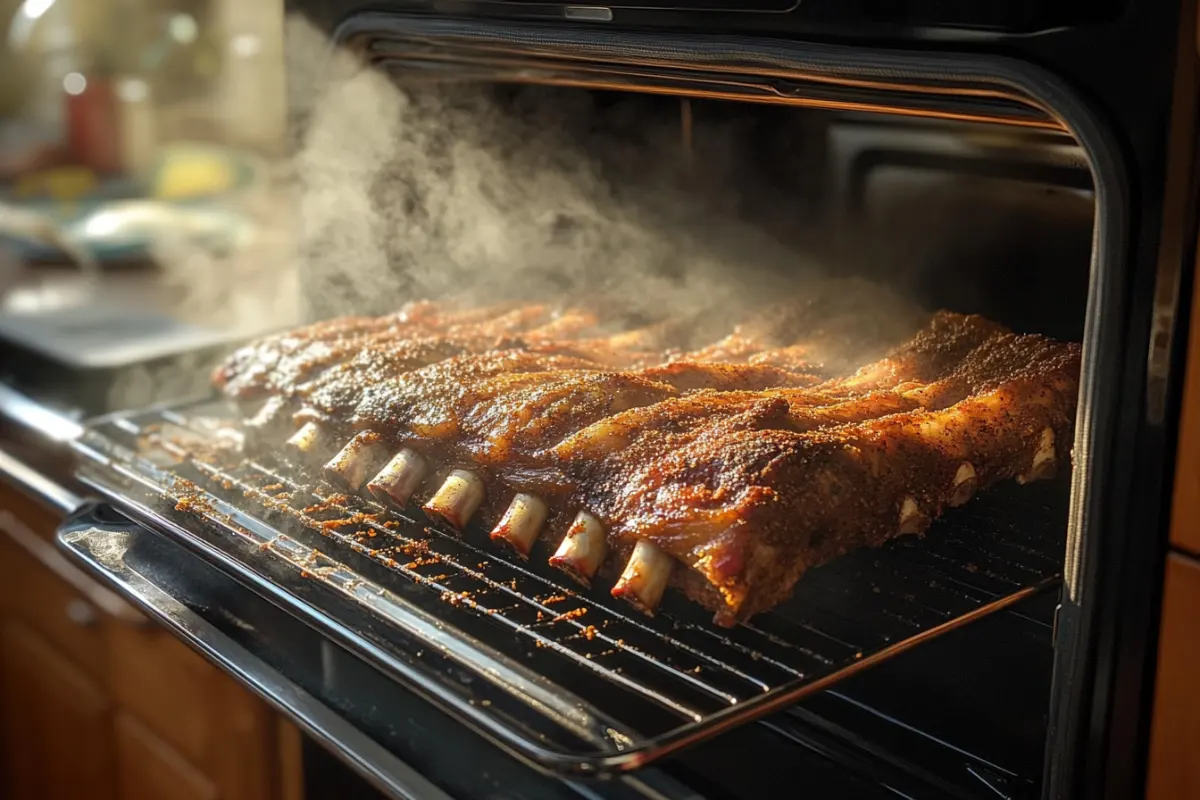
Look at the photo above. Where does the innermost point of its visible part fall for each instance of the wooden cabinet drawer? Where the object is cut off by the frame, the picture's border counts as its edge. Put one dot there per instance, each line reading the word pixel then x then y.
pixel 37 519
pixel 1174 767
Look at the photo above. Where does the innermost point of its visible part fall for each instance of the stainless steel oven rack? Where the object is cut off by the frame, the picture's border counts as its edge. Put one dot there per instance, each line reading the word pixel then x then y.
pixel 570 680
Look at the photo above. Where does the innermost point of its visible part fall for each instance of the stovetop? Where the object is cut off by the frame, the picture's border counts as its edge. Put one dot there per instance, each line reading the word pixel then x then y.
pixel 101 357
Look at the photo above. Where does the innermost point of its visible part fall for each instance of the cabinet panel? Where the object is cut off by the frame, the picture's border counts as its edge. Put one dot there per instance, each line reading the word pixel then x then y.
pixel 214 723
pixel 56 723
pixel 150 769
pixel 167 686
pixel 46 603
pixel 243 758
pixel 1175 736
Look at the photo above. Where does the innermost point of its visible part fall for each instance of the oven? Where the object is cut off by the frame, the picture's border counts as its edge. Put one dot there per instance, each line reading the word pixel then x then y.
pixel 996 160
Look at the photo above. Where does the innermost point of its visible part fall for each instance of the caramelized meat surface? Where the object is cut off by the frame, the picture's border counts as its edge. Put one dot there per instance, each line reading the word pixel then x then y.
pixel 726 470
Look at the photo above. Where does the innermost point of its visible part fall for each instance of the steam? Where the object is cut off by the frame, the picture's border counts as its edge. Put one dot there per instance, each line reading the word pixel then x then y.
pixel 436 188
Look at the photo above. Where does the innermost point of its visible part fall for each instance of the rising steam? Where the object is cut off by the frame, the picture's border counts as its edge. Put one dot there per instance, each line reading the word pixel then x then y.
pixel 439 188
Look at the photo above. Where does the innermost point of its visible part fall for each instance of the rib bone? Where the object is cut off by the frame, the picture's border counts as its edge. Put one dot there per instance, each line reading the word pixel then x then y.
pixel 310 440
pixel 965 483
pixel 356 461
pixel 912 520
pixel 521 523
pixel 1044 459
pixel 396 482
pixel 645 577
pixel 458 499
pixel 583 549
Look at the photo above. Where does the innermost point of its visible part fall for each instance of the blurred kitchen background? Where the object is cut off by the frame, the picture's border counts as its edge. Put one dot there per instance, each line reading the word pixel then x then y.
pixel 142 182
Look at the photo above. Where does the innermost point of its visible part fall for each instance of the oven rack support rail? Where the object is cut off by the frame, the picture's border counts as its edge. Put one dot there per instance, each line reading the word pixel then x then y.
pixel 571 681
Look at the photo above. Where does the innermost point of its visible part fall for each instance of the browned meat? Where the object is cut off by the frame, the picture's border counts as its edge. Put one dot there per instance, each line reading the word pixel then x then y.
pixel 734 460
pixel 282 364
pixel 750 500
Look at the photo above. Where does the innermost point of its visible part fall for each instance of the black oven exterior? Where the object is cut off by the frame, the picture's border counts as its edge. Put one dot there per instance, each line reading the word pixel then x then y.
pixel 1135 116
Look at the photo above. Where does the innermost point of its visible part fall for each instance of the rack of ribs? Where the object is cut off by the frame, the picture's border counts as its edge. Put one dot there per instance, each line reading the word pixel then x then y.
pixel 725 470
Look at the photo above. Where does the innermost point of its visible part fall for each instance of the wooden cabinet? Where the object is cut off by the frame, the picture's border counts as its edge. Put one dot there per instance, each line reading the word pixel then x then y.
pixel 1174 769
pixel 149 769
pixel 97 703
pixel 45 602
pixel 196 710
pixel 56 722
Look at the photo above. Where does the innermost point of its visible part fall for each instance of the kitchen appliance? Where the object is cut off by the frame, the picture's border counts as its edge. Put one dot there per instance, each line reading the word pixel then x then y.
pixel 1007 654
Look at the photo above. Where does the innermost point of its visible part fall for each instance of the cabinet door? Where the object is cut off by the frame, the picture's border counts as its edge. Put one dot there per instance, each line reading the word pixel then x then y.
pixel 150 769
pixel 56 724
pixel 195 709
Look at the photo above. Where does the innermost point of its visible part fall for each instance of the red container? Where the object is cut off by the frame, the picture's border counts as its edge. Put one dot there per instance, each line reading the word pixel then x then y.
pixel 93 123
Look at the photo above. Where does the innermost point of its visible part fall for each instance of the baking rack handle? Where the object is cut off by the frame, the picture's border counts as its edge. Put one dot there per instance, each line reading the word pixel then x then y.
pixel 97 539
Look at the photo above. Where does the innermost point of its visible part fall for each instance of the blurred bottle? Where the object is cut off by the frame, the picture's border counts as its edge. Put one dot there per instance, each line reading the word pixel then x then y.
pixel 138 125
pixel 93 119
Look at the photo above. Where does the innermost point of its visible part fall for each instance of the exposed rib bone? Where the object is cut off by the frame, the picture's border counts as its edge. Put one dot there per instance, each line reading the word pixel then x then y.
pixel 645 577
pixel 521 523
pixel 1044 459
pixel 912 520
pixel 311 440
pixel 395 483
pixel 268 414
pixel 356 461
pixel 583 549
pixel 965 483
pixel 458 499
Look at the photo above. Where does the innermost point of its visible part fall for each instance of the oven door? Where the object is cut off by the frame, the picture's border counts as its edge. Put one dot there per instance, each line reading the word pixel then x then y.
pixel 875 736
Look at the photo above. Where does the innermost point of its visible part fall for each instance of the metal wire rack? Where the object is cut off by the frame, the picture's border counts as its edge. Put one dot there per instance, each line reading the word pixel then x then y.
pixel 571 680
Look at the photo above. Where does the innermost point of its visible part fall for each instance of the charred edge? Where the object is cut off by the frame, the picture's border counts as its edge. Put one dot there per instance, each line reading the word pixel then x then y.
pixel 395 484
pixel 645 577
pixel 521 524
pixel 582 550
pixel 458 498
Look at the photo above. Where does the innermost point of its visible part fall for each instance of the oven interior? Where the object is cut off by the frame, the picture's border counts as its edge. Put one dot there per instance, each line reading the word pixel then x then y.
pixel 437 176
pixel 977 217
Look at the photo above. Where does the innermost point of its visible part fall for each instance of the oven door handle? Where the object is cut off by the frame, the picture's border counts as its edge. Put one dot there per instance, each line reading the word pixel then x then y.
pixel 97 538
